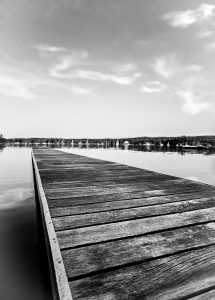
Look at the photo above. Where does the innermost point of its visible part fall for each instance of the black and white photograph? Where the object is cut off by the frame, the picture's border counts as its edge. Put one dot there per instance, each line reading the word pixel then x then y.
pixel 107 150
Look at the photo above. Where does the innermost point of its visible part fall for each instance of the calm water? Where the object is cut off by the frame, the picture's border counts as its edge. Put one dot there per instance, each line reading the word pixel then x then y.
pixel 198 166
pixel 20 273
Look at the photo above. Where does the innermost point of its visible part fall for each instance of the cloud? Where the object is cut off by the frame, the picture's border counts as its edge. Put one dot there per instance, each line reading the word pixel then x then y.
pixel 80 91
pixel 211 46
pixel 204 34
pixel 168 66
pixel 125 68
pixel 98 76
pixel 69 67
pixel 20 83
pixel 186 18
pixel 49 49
pixel 66 62
pixel 190 105
pixel 14 87
pixel 153 87
pixel 194 68
pixel 165 66
pixel 66 68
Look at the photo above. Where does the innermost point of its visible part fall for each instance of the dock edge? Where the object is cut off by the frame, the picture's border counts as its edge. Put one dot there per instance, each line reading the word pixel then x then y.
pixel 63 291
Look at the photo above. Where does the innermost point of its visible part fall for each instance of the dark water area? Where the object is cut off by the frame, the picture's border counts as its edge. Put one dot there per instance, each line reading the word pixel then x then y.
pixel 20 269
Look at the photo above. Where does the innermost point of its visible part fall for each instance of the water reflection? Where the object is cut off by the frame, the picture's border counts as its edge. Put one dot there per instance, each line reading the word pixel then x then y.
pixel 141 147
pixel 164 149
pixel 147 147
pixel 20 273
pixel 2 146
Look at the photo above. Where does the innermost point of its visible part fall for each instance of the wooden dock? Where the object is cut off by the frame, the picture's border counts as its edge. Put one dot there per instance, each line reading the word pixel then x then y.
pixel 119 232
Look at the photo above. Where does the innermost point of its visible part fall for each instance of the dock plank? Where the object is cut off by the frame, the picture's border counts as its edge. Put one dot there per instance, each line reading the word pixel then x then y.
pixel 172 277
pixel 81 219
pixel 129 233
pixel 103 256
pixel 150 197
pixel 133 208
pixel 98 233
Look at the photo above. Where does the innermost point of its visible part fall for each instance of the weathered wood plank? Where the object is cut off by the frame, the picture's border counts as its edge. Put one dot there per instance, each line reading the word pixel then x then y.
pixel 153 197
pixel 95 187
pixel 112 231
pixel 173 277
pixel 134 203
pixel 76 175
pixel 114 178
pixel 206 296
pixel 131 194
pixel 88 181
pixel 113 215
pixel 98 257
pixel 81 192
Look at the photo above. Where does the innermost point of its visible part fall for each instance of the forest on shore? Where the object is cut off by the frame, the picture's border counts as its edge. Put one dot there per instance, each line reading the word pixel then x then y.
pixel 156 141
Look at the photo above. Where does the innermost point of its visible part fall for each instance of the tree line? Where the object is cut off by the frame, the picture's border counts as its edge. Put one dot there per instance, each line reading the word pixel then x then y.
pixel 156 141
pixel 2 139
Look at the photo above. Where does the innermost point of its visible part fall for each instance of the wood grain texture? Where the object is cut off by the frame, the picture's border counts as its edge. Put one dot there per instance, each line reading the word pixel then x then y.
pixel 97 257
pixel 153 197
pixel 112 231
pixel 129 233
pixel 93 218
pixel 167 278
pixel 117 188
pixel 129 194
pixel 206 296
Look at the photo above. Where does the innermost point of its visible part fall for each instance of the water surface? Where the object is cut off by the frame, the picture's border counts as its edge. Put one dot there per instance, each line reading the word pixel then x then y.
pixel 20 272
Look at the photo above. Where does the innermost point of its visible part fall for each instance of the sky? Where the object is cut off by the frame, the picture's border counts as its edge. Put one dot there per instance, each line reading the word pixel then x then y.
pixel 107 68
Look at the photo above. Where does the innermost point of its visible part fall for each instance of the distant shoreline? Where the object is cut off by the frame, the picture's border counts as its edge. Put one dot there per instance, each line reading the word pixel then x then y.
pixel 174 141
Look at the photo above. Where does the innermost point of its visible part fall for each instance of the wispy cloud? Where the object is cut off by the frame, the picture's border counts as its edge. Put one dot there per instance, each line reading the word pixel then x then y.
pixel 81 91
pixel 165 66
pixel 191 105
pixel 153 87
pixel 188 17
pixel 14 87
pixel 168 66
pixel 49 48
pixel 97 76
pixel 189 79
pixel 210 46
pixel 102 77
pixel 193 68
pixel 125 68
pixel 68 61
pixel 69 67
pixel 204 34
pixel 24 85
